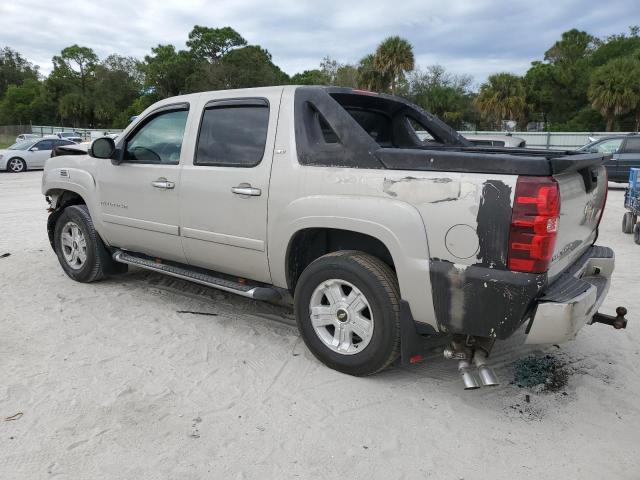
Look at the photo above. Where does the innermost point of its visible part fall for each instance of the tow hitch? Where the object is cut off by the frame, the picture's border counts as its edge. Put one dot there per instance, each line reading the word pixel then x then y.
pixel 617 322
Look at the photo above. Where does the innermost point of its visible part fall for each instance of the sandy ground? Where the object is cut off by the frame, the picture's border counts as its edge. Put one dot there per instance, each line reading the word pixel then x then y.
pixel 113 381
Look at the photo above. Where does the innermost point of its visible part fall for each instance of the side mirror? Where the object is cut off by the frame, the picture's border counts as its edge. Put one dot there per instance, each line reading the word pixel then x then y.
pixel 34 149
pixel 103 147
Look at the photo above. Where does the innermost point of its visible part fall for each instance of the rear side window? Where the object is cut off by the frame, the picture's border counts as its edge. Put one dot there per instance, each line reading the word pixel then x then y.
pixel 233 136
pixel 632 146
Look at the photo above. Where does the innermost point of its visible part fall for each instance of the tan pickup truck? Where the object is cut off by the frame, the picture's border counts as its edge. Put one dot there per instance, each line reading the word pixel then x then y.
pixel 388 243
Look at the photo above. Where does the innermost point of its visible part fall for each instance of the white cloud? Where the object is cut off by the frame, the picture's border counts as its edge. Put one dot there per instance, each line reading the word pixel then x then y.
pixel 475 38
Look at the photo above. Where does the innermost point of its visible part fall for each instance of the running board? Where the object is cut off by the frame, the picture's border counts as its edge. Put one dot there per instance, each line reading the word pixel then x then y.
pixel 198 275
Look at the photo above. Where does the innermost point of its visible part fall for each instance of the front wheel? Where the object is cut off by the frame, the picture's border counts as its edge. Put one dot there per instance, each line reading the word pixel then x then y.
pixel 636 233
pixel 347 307
pixel 80 251
pixel 16 165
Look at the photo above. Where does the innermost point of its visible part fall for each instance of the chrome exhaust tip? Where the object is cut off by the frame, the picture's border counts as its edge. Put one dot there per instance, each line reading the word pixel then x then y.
pixel 468 379
pixel 487 376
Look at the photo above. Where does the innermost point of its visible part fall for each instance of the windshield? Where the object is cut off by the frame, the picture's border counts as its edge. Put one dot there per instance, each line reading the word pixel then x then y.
pixel 25 145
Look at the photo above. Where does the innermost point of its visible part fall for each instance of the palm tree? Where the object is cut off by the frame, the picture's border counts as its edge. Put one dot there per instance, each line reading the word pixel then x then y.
pixel 369 77
pixel 393 58
pixel 502 97
pixel 615 89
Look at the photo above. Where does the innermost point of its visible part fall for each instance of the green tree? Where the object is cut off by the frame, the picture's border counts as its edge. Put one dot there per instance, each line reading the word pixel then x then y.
pixel 26 103
pixel 119 82
pixel 393 58
pixel 73 78
pixel 310 77
pixel 502 97
pixel 245 67
pixel 541 90
pixel 614 89
pixel 211 44
pixel 166 70
pixel 446 95
pixel 76 62
pixel 14 69
pixel 616 46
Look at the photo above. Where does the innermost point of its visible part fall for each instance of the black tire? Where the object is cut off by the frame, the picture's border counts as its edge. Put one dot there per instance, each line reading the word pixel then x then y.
pixel 627 222
pixel 379 285
pixel 20 162
pixel 98 260
pixel 636 233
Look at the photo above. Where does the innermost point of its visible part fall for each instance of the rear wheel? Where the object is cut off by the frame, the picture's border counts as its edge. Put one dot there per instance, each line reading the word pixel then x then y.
pixel 16 165
pixel 636 233
pixel 347 307
pixel 628 222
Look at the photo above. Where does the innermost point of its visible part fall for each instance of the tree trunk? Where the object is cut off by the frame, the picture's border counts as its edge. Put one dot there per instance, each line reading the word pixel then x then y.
pixel 609 123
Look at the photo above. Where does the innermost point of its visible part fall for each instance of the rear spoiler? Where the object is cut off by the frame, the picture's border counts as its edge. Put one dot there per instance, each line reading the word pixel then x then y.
pixel 576 162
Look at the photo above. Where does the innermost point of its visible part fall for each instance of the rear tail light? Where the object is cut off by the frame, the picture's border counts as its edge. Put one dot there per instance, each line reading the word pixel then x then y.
pixel 534 224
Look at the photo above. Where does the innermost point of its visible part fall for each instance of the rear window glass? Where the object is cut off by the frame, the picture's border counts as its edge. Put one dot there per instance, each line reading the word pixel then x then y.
pixel 376 124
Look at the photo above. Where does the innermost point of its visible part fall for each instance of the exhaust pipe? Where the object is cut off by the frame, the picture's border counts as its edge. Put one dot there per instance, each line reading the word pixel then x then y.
pixel 470 382
pixel 485 372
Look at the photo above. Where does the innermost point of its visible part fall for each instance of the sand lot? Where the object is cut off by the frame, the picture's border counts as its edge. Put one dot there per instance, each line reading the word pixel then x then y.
pixel 113 380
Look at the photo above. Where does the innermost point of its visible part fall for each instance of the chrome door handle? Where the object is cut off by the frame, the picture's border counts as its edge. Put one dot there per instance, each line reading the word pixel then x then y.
pixel 163 183
pixel 246 189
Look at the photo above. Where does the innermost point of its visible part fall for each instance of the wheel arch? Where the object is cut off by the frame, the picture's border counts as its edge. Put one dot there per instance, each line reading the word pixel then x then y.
pixel 59 200
pixel 392 228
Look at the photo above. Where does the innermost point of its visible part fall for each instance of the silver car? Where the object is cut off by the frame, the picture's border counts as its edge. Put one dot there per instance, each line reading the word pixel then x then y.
pixel 29 154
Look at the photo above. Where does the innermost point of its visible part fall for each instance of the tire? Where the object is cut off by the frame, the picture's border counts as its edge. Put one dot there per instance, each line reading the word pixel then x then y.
pixel 627 222
pixel 16 165
pixel 371 340
pixel 636 233
pixel 92 259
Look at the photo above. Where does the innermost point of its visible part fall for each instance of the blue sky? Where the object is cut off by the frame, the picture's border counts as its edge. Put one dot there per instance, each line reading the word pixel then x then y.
pixel 472 37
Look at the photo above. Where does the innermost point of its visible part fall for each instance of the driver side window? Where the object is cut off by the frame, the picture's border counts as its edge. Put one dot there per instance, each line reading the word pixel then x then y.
pixel 159 140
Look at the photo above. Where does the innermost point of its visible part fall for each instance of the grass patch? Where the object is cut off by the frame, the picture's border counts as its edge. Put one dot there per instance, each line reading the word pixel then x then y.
pixel 5 145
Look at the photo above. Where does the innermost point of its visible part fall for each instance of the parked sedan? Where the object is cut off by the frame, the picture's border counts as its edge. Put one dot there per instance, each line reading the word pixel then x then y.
pixel 29 154
pixel 508 141
pixel 27 136
pixel 625 151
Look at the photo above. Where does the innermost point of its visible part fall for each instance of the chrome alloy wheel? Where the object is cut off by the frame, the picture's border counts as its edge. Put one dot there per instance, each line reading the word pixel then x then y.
pixel 74 245
pixel 341 316
pixel 16 165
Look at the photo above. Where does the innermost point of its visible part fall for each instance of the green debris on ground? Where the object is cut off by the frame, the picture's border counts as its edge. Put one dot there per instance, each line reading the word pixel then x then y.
pixel 547 371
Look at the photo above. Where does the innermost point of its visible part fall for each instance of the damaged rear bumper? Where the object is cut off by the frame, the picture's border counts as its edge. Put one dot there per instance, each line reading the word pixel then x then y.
pixel 572 299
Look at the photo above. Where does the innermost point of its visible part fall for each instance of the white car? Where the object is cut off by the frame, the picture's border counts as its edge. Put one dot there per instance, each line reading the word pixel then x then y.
pixel 508 141
pixel 29 154
pixel 27 136
pixel 75 137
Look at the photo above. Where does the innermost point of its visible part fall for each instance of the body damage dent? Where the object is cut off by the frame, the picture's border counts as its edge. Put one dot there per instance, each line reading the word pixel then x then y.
pixel 485 299
pixel 419 191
